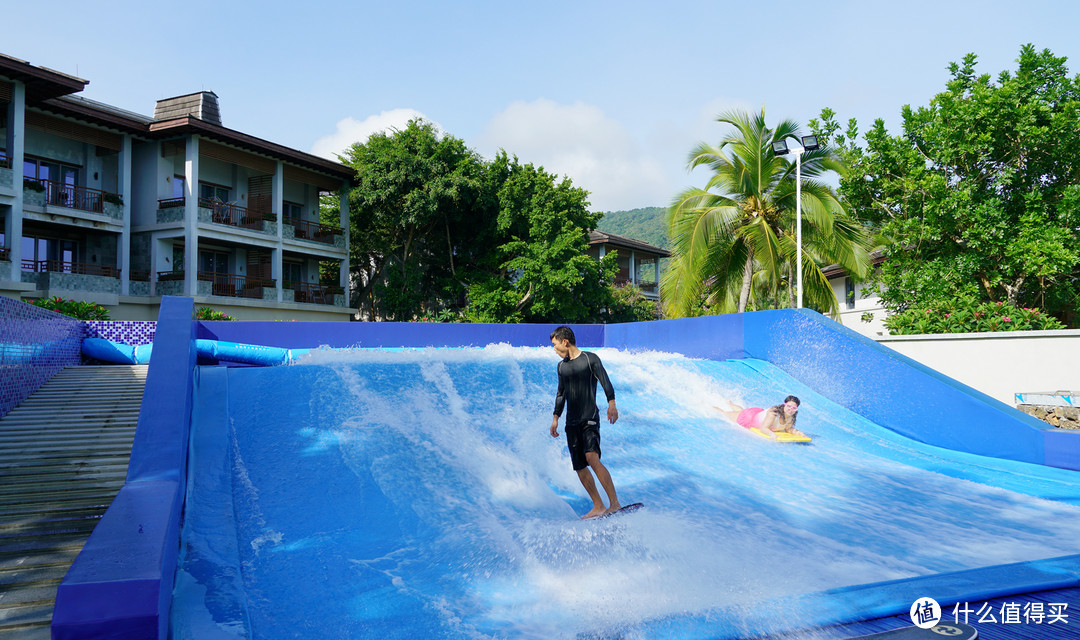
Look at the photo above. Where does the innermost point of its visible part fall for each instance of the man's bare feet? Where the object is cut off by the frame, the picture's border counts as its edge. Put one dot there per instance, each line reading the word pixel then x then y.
pixel 595 513
pixel 613 508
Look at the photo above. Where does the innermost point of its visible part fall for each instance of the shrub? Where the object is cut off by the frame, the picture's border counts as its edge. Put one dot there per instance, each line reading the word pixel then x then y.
pixel 968 315
pixel 74 308
pixel 33 185
pixel 206 313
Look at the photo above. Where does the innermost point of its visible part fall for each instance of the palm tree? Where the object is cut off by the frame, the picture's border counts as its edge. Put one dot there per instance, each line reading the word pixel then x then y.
pixel 734 240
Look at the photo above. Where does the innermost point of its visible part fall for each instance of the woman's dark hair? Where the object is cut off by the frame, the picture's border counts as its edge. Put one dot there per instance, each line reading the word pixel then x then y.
pixel 564 333
pixel 780 409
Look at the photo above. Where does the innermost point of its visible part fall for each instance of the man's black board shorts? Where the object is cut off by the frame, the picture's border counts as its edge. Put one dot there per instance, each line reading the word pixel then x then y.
pixel 581 438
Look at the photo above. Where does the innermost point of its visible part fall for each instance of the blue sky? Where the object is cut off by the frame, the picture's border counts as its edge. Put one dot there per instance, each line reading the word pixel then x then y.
pixel 612 94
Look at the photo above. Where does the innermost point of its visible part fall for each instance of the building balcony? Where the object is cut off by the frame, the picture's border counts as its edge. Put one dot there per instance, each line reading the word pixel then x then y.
pixel 316 293
pixel 49 275
pixel 218 212
pixel 645 287
pixel 38 192
pixel 314 231
pixel 225 285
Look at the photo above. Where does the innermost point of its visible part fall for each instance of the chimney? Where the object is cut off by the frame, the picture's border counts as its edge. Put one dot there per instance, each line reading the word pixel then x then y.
pixel 202 105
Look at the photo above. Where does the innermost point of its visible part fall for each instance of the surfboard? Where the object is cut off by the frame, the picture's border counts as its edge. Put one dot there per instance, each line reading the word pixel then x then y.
pixel 783 436
pixel 630 508
pixel 955 630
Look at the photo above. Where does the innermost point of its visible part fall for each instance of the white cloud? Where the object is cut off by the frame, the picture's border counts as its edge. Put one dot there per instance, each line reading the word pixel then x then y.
pixel 351 130
pixel 581 142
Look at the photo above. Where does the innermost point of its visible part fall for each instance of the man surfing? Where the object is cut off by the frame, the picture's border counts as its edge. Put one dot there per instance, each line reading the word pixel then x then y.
pixel 579 371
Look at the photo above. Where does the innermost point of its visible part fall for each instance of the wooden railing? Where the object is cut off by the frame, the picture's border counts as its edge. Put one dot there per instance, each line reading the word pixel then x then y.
pixel 5 255
pixel 224 212
pixel 314 293
pixel 5 162
pixel 139 276
pixel 59 266
pixel 170 276
pixel 316 231
pixel 647 287
pixel 235 215
pixel 236 286
pixel 69 195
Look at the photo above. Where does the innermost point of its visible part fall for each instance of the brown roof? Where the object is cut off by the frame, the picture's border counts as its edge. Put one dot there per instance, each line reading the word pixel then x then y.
pixel 877 256
pixel 41 82
pixel 615 240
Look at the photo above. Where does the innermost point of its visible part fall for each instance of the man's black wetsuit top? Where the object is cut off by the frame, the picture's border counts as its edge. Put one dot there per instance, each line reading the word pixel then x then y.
pixel 577 386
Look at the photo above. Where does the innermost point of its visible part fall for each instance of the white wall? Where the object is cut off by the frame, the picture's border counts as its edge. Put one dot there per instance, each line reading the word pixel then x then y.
pixel 865 302
pixel 999 364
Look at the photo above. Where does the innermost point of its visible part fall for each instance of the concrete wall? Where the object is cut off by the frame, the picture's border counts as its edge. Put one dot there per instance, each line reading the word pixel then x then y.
pixel 999 364
pixel 866 301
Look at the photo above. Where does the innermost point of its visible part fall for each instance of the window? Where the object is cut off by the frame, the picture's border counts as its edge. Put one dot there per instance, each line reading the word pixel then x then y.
pixel 214 262
pixel 292 272
pixel 293 211
pixel 178 184
pixel 37 249
pixel 849 292
pixel 213 191
pixel 178 257
pixel 41 169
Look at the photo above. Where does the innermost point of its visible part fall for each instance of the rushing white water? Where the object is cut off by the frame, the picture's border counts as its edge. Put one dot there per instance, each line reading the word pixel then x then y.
pixel 419 494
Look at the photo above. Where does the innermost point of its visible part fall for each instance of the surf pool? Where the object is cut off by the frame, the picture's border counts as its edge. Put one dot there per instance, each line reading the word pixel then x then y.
pixel 368 493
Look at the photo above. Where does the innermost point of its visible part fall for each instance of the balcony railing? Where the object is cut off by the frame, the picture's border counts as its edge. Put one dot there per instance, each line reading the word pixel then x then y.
pixel 59 266
pixel 224 212
pixel 5 162
pixel 316 231
pixel 69 195
pixel 314 293
pixel 5 255
pixel 234 215
pixel 646 287
pixel 236 286
pixel 139 276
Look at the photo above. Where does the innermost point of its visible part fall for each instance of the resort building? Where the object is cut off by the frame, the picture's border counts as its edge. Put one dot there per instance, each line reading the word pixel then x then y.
pixel 639 262
pixel 861 309
pixel 105 205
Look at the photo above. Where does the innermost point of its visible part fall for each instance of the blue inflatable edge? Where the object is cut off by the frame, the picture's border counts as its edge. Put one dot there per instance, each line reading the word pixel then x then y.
pixel 120 584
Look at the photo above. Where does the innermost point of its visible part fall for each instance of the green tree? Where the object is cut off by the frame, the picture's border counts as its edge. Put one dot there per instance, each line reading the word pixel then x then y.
pixel 734 240
pixel 419 221
pixel 544 272
pixel 979 195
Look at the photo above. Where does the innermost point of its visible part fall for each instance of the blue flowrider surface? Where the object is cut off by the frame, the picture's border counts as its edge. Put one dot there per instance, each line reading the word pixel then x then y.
pixel 419 494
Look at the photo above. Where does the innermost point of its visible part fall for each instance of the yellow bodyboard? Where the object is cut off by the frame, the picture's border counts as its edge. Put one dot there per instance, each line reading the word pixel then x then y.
pixel 781 437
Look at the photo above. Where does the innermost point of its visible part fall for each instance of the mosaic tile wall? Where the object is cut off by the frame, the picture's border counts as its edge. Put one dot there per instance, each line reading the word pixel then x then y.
pixel 34 345
pixel 131 332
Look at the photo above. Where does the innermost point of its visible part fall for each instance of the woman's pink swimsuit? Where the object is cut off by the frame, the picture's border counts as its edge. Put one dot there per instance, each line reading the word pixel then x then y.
pixel 751 417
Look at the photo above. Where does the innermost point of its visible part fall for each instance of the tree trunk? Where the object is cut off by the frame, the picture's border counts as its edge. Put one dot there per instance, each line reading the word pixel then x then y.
pixel 747 278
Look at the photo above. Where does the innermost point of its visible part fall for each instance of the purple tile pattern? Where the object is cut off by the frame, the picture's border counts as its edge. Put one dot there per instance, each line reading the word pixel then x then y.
pixel 133 332
pixel 34 344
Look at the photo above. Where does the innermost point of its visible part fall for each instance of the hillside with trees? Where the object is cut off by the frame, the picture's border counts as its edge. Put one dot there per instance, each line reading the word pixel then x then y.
pixel 646 224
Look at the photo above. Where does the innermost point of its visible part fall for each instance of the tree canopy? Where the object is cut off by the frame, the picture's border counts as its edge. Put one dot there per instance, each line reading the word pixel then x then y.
pixel 735 240
pixel 979 195
pixel 437 232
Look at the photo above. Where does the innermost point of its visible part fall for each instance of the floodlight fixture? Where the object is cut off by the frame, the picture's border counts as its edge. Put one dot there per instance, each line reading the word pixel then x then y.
pixel 810 143
pixel 779 147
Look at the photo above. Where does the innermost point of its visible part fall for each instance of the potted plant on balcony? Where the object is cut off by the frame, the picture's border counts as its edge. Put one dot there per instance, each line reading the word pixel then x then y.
pixel 113 205
pixel 33 192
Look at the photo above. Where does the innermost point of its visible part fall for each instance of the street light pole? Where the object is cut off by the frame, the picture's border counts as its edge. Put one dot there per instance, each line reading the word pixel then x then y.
pixel 798 151
pixel 780 147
